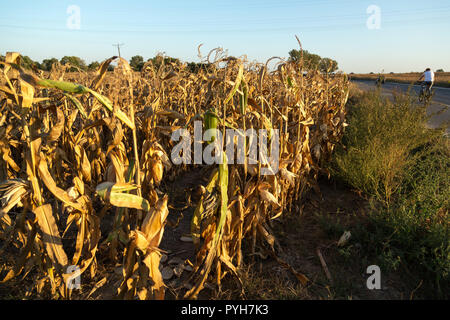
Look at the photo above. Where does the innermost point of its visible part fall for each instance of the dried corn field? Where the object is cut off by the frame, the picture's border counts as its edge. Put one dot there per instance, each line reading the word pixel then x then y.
pixel 87 180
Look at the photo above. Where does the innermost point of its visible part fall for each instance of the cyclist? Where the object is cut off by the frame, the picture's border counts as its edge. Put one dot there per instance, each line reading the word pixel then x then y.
pixel 380 80
pixel 428 77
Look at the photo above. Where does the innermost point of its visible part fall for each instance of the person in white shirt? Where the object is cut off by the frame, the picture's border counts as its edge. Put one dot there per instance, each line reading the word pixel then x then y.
pixel 428 77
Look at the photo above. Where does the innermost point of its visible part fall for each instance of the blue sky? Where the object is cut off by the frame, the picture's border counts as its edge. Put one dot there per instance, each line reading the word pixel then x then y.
pixel 413 34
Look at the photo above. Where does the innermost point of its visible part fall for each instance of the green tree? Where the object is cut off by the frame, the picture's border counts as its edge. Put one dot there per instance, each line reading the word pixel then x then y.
pixel 137 62
pixel 47 64
pixel 159 60
pixel 27 62
pixel 440 70
pixel 328 65
pixel 93 65
pixel 75 62
pixel 312 61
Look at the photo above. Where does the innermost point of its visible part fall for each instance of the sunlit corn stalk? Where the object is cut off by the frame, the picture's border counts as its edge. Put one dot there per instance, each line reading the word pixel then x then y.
pixel 311 119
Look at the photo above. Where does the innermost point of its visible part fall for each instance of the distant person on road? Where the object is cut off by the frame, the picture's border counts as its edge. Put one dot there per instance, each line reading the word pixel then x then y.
pixel 428 77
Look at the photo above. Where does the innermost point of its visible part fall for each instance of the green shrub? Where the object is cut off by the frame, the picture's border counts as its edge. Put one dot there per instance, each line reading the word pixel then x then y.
pixel 379 144
pixel 390 155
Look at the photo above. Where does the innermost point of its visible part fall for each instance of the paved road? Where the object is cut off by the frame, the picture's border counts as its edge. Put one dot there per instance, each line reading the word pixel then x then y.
pixel 439 107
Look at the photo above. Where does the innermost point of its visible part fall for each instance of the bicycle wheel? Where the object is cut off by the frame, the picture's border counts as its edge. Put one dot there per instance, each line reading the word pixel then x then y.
pixel 421 96
pixel 427 95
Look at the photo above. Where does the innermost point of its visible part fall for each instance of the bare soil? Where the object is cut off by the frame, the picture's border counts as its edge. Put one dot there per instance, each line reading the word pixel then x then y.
pixel 317 223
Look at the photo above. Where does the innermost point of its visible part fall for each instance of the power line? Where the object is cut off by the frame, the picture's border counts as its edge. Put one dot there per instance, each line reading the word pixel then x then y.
pixel 431 13
pixel 118 47
pixel 332 22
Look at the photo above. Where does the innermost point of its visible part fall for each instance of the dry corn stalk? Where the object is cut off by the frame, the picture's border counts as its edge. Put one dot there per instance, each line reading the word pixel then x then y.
pixel 70 139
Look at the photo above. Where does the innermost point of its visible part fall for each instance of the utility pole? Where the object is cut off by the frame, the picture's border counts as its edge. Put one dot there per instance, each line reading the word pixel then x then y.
pixel 118 47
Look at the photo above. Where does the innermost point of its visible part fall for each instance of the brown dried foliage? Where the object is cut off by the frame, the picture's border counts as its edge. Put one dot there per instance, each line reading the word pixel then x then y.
pixel 68 162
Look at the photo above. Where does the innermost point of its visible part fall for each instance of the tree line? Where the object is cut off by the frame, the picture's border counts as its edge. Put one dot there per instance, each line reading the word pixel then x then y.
pixel 137 62
pixel 76 63
pixel 311 61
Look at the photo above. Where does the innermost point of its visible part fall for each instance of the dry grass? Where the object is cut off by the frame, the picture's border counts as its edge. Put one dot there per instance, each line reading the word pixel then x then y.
pixel 442 78
pixel 76 155
pixel 390 156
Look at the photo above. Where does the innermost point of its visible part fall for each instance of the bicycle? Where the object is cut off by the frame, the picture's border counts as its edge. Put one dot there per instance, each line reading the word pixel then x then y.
pixel 425 93
pixel 379 81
